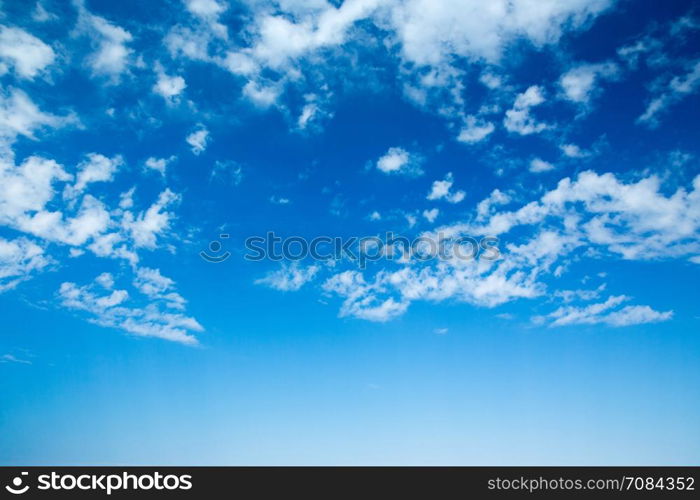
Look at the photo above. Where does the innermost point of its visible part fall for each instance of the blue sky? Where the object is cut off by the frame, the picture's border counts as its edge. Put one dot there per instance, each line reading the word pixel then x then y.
pixel 132 134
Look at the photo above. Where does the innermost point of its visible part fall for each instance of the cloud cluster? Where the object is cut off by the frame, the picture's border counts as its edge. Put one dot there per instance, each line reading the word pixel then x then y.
pixel 160 317
pixel 590 214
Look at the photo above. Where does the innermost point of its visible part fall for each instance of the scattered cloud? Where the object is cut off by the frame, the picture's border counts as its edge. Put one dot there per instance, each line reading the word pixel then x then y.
pixel 443 190
pixel 19 260
pixel 676 89
pixel 159 164
pixel 431 215
pixel 518 119
pixel 606 313
pixel 580 83
pixel 475 130
pixel 10 358
pixel 169 87
pixel 27 54
pixel 399 161
pixel 198 139
pixel 157 316
pixel 538 165
pixel 290 277
pixel 111 53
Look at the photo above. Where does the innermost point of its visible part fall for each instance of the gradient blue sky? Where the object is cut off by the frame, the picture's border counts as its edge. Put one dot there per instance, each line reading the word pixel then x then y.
pixel 134 133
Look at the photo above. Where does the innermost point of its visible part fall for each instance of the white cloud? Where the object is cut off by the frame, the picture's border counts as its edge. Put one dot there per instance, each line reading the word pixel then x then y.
pixel 156 286
pixel 279 200
pixel 312 113
pixel 198 140
pixel 486 206
pixel 25 52
pixel 634 220
pixel 603 313
pixel 573 151
pixel 262 95
pixel 20 116
pixel 648 46
pixel 389 294
pixel 169 87
pixel 27 187
pixel 679 87
pixel 475 130
pixel 28 190
pixel 432 32
pixel 579 84
pixel 159 164
pixel 41 15
pixel 209 12
pixel 400 161
pixel 19 259
pixel 290 277
pixel 10 358
pixel 491 80
pixel 307 113
pixel 105 280
pixel 294 39
pixel 538 165
pixel 119 310
pixel 431 215
pixel 518 119
pixel 145 227
pixel 229 171
pixel 97 168
pixel 360 301
pixel 443 190
pixel 111 53
pixel 596 213
pixel 636 315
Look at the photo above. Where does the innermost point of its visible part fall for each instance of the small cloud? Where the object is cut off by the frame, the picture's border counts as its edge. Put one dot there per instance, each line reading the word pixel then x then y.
pixel 475 130
pixel 518 119
pixel 400 161
pixel 106 280
pixel 491 80
pixel 431 215
pixel 41 15
pixel 9 358
pixel 290 277
pixel 537 166
pixel 227 171
pixel 198 140
pixel 169 87
pixel 111 52
pixel 440 331
pixel 604 313
pixel 159 164
pixel 443 190
pixel 261 95
pixel 278 200
pixel 573 151
pixel 579 84
pixel 24 52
